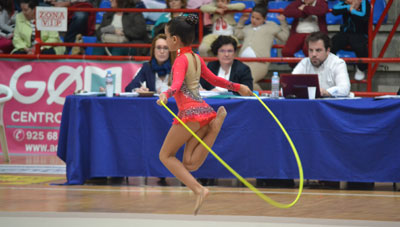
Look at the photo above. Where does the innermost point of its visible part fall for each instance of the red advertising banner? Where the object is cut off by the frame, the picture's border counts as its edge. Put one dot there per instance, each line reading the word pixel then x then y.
pixel 32 117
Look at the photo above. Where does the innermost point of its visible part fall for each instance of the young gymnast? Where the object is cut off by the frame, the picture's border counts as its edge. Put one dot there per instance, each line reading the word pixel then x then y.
pixel 193 110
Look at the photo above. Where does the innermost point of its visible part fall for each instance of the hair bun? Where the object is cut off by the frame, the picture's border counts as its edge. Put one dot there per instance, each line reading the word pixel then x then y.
pixel 192 19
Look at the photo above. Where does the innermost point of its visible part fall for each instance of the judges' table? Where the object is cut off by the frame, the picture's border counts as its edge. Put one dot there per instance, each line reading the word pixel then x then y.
pixel 340 140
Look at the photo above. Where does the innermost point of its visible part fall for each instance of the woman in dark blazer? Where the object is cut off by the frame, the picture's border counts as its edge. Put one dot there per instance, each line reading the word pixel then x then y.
pixel 155 74
pixel 224 47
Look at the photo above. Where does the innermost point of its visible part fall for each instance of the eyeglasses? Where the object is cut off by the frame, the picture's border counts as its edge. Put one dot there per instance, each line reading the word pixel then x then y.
pixel 164 48
pixel 226 51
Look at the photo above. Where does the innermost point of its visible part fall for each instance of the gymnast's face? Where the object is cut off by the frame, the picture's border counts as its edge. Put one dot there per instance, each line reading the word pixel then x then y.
pixel 170 41
pixel 317 52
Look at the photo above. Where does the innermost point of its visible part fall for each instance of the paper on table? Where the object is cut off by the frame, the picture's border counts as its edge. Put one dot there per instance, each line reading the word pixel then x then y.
pixel 129 94
pixel 91 93
pixel 251 97
pixel 209 93
pixel 339 98
pixel 388 97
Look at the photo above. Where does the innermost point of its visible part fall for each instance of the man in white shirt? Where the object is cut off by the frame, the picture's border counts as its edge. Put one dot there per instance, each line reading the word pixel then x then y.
pixel 332 71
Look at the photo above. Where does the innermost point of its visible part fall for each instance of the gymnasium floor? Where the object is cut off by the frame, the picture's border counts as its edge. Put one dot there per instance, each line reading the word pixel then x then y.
pixel 32 194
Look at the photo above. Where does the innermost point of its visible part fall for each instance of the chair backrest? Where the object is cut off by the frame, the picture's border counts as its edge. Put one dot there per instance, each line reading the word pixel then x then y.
pixel 249 5
pixel 278 5
pixel 378 9
pixel 346 54
pixel 330 18
pixel 99 15
pixel 7 91
pixel 89 39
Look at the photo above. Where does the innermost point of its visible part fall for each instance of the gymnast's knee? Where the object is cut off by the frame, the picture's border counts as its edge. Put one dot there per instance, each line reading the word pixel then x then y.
pixel 190 166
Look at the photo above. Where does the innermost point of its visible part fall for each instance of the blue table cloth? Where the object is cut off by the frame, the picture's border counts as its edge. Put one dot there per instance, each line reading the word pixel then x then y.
pixel 339 140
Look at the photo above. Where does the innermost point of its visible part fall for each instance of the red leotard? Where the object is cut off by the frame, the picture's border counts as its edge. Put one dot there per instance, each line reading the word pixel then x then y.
pixel 190 104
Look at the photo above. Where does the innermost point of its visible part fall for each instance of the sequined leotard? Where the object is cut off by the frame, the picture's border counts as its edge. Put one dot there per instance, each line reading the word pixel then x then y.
pixel 186 71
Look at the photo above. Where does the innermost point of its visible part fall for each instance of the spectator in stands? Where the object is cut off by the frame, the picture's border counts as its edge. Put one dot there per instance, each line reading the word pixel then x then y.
pixel 223 23
pixel 7 23
pixel 24 33
pixel 353 31
pixel 155 73
pixel 121 27
pixel 258 38
pixel 309 16
pixel 332 71
pixel 152 4
pixel 166 17
pixel 78 22
pixel 224 47
pixel 196 4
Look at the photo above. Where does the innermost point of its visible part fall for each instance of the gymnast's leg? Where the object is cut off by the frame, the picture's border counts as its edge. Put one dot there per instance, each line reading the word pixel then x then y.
pixel 195 153
pixel 176 137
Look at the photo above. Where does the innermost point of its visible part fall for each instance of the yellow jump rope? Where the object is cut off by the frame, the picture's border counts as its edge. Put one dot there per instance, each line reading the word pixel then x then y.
pixel 244 181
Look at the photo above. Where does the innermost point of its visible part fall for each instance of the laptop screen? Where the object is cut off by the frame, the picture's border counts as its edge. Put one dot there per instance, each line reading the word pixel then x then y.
pixel 295 85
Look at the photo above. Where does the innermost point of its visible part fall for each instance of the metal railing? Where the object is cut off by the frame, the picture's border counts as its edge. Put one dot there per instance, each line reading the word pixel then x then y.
pixel 372 62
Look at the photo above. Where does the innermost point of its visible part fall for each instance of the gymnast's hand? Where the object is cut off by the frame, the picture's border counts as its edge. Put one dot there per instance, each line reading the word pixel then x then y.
pixel 162 98
pixel 245 91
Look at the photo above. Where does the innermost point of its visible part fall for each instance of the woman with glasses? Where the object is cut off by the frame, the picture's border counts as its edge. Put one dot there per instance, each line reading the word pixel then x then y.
pixel 224 47
pixel 155 74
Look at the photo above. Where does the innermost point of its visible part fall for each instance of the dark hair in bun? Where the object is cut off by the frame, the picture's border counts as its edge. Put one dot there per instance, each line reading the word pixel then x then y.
pixel 183 27
pixel 192 19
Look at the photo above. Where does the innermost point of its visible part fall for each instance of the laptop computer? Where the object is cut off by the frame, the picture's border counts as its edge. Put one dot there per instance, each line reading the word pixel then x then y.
pixel 295 85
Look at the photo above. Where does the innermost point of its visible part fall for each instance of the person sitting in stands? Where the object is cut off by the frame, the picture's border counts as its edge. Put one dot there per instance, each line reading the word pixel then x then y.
pixel 223 23
pixel 121 27
pixel 224 47
pixel 207 23
pixel 309 16
pixel 353 31
pixel 258 38
pixel 332 71
pixel 158 27
pixel 7 23
pixel 24 33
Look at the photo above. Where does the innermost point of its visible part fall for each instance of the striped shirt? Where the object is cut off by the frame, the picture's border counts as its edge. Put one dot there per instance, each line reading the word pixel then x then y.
pixel 32 22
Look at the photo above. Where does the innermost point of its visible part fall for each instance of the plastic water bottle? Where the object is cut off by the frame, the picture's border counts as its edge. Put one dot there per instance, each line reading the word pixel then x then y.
pixel 109 84
pixel 275 85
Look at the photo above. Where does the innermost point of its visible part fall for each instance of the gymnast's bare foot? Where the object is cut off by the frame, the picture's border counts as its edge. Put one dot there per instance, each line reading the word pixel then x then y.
pixel 200 199
pixel 216 123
